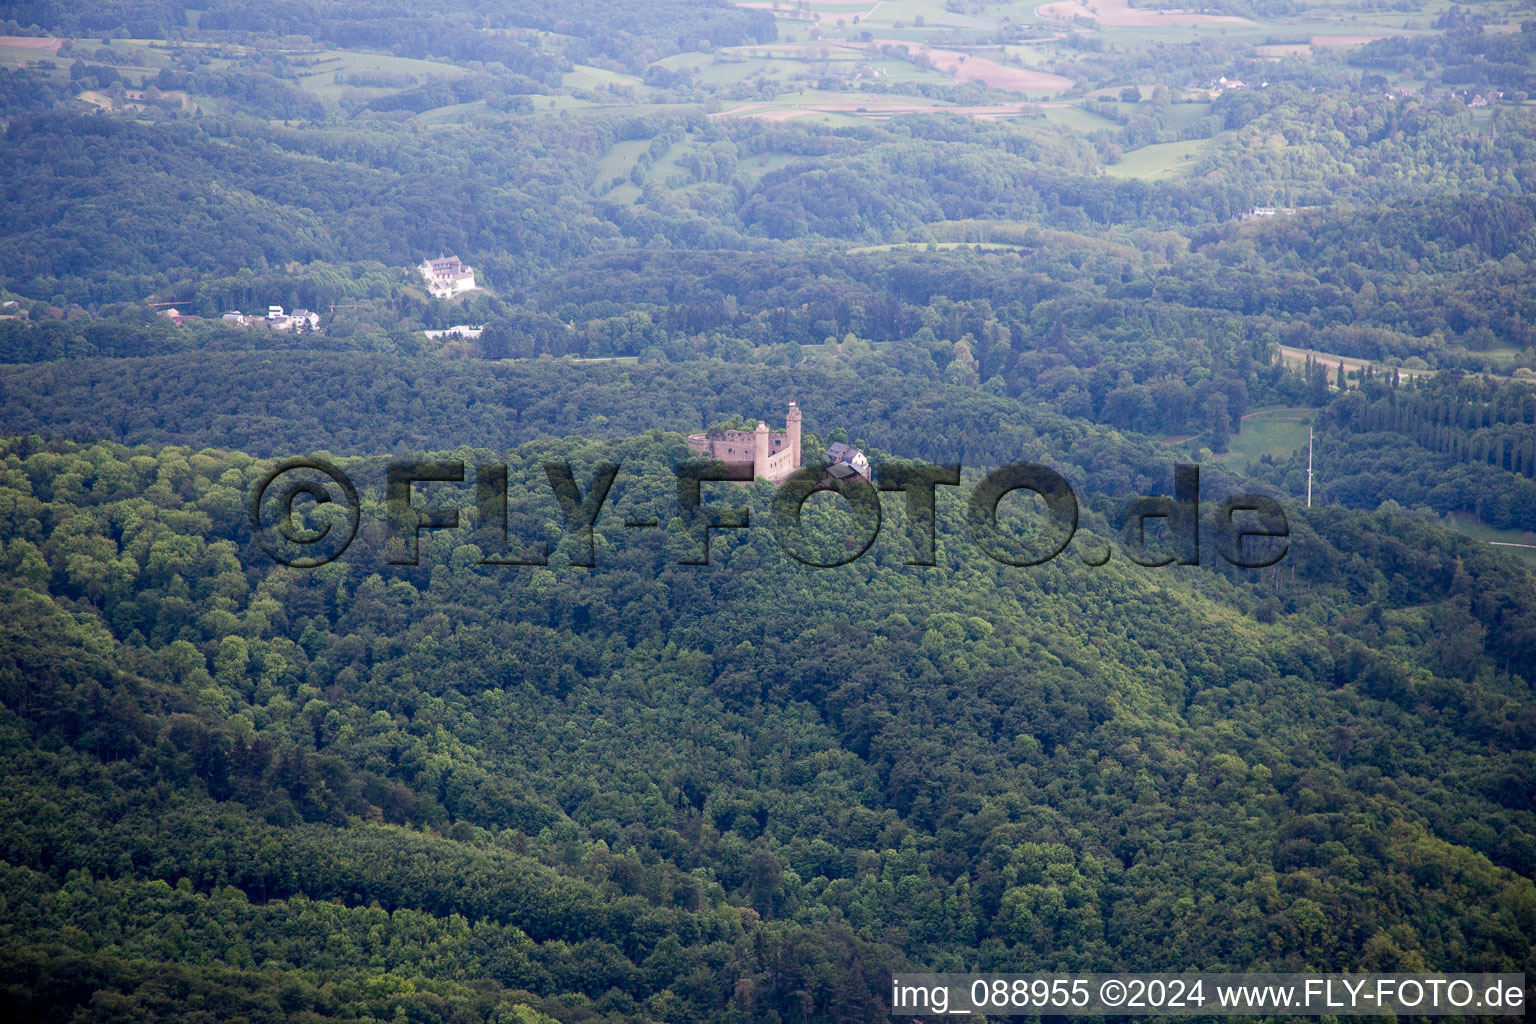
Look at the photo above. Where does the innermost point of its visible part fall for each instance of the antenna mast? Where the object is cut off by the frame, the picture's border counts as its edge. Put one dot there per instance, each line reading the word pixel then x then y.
pixel 1309 467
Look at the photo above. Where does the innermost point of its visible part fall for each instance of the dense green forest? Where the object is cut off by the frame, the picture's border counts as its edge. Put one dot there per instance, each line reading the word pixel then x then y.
pixel 944 769
pixel 643 790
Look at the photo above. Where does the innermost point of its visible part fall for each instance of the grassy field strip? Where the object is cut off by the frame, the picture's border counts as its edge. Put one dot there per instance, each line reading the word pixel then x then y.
pixel 1159 161
pixel 1520 543
pixel 618 162
pixel 1275 432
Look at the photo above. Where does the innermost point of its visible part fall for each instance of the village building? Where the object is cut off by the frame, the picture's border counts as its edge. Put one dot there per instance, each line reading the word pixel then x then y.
pixel 277 320
pixel 846 461
pixel 299 320
pixel 1260 212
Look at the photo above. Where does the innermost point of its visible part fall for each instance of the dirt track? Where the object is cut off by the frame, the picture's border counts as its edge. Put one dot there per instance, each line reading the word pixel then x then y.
pixel 769 112
pixel 967 67
pixel 1344 40
pixel 32 42
pixel 1299 355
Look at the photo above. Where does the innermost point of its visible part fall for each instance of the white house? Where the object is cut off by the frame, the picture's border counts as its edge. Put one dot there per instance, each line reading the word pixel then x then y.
pixel 446 276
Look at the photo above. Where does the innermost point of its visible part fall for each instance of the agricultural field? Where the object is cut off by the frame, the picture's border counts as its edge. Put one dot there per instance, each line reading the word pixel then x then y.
pixel 19 51
pixel 837 63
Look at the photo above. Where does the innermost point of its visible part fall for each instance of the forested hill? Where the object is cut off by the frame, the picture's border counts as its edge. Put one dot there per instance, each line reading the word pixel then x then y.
pixel 279 404
pixel 649 792
pixel 452 28
pixel 612 786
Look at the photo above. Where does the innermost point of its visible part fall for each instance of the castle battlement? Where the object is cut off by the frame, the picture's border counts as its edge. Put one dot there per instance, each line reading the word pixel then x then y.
pixel 773 454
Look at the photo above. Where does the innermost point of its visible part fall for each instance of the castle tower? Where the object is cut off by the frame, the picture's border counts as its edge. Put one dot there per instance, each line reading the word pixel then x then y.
pixel 792 424
pixel 760 456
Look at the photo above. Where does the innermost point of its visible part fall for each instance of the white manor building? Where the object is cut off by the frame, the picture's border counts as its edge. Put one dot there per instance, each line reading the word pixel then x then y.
pixel 467 331
pixel 447 277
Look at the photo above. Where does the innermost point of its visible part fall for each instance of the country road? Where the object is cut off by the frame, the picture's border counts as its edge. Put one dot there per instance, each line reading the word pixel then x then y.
pixel 1300 355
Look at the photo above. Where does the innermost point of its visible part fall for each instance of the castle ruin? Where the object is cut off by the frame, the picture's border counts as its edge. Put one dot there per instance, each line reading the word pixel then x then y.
pixel 773 454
